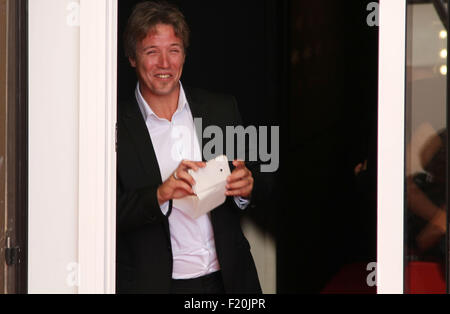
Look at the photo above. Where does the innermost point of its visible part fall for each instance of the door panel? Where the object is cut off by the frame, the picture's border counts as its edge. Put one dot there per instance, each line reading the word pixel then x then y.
pixel 426 148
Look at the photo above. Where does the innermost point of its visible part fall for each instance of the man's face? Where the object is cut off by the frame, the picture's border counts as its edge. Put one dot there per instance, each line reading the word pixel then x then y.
pixel 159 61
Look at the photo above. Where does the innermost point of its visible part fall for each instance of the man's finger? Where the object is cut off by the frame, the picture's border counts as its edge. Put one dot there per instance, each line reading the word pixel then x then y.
pixel 239 184
pixel 184 176
pixel 238 174
pixel 239 163
pixel 194 165
pixel 240 192
pixel 181 185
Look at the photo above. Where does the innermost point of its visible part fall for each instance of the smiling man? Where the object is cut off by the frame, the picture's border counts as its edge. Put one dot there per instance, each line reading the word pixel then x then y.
pixel 159 63
pixel 160 249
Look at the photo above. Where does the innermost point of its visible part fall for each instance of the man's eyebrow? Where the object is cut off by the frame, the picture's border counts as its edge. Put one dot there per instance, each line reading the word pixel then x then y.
pixel 149 47
pixel 153 47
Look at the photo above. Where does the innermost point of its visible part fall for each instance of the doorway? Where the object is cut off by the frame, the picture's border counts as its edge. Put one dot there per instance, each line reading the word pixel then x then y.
pixel 298 69
pixel 219 50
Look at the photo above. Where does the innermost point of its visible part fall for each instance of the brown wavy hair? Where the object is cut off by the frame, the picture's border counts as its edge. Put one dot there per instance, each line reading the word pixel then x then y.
pixel 144 18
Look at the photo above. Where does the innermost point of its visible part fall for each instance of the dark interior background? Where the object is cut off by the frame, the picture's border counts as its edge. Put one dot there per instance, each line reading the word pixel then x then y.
pixel 309 67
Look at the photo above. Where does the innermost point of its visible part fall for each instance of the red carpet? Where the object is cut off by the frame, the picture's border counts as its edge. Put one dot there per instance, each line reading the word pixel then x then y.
pixel 351 279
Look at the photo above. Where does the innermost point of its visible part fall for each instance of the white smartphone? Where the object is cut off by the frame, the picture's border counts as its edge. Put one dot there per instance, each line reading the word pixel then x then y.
pixel 216 172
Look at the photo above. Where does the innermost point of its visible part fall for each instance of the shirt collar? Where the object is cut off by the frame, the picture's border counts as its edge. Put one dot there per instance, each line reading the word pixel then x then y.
pixel 147 111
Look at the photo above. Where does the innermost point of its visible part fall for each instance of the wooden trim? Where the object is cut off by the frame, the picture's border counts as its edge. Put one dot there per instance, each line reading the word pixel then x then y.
pixel 21 217
pixel 14 142
pixel 3 136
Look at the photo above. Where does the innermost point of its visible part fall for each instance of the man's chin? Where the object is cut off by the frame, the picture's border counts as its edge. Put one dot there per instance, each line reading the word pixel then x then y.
pixel 166 90
pixel 163 93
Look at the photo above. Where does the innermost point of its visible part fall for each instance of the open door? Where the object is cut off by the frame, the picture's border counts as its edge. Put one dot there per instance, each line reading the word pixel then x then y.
pixel 426 199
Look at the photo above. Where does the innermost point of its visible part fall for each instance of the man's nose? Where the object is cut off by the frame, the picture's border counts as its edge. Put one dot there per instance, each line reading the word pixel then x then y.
pixel 163 60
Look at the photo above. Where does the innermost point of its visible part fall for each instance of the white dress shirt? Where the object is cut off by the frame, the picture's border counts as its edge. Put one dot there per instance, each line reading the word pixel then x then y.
pixel 193 245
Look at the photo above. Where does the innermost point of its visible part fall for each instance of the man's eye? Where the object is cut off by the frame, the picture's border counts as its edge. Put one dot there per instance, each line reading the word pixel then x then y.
pixel 175 51
pixel 151 52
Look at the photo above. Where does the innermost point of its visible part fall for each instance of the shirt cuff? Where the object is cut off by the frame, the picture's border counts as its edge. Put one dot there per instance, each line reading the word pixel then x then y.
pixel 165 208
pixel 242 203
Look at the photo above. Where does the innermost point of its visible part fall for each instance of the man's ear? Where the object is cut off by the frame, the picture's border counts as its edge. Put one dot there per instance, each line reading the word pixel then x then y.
pixel 132 61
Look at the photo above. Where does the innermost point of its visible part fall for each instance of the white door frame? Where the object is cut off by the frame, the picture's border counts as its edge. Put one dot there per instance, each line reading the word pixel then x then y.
pixel 391 146
pixel 97 165
pixel 97 155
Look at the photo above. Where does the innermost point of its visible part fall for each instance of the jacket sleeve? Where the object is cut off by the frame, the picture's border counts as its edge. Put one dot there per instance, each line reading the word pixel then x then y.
pixel 253 166
pixel 136 209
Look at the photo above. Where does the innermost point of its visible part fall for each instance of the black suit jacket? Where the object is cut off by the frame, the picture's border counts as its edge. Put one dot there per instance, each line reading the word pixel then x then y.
pixel 144 253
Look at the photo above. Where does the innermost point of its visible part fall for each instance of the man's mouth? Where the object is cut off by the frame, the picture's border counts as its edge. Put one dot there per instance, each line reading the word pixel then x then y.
pixel 163 76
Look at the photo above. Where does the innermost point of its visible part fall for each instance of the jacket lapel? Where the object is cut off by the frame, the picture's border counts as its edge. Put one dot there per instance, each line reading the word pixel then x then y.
pixel 135 124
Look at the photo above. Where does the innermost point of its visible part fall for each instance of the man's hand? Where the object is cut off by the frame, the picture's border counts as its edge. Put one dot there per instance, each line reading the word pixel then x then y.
pixel 240 182
pixel 179 184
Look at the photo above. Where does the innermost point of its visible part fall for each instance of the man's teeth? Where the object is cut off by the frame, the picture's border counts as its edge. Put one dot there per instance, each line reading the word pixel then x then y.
pixel 165 76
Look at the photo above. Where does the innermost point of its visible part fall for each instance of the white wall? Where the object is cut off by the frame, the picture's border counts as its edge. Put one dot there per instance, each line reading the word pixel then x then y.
pixel 53 145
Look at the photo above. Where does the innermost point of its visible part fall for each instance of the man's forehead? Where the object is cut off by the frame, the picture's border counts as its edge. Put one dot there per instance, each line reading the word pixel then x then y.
pixel 162 32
